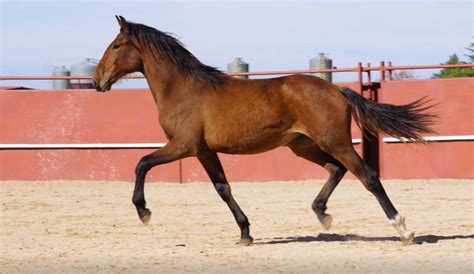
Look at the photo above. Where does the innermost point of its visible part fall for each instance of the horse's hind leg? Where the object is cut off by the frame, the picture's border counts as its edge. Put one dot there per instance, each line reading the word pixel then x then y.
pixel 214 169
pixel 307 149
pixel 352 161
pixel 336 172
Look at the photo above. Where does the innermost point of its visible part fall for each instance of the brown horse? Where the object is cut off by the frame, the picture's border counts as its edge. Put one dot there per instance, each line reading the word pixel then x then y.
pixel 204 111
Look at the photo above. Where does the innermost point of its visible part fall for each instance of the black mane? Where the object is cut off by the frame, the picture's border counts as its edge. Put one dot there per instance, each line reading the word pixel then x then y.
pixel 174 50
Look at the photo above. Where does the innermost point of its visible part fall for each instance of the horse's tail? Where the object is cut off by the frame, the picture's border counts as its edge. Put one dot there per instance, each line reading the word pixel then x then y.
pixel 406 121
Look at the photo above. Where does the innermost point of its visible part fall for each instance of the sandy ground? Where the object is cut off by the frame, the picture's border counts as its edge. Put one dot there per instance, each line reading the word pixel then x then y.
pixel 89 227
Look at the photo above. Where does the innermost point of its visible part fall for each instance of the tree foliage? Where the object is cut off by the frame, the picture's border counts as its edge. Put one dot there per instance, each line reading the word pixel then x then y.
pixel 457 72
pixel 471 52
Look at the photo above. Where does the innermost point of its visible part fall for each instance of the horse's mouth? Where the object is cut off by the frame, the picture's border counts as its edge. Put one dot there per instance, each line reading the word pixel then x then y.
pixel 105 87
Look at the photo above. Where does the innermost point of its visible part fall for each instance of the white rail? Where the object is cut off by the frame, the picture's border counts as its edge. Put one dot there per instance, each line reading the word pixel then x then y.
pixel 450 138
pixel 83 146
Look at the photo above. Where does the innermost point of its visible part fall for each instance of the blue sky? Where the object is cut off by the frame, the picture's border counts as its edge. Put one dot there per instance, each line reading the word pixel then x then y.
pixel 270 35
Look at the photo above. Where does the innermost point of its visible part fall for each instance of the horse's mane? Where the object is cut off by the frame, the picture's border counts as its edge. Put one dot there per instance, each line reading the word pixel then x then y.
pixel 174 50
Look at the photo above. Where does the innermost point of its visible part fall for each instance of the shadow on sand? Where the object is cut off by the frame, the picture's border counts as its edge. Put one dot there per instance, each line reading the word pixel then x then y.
pixel 325 237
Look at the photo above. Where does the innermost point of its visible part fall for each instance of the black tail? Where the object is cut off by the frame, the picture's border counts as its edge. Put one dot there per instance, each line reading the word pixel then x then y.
pixel 406 121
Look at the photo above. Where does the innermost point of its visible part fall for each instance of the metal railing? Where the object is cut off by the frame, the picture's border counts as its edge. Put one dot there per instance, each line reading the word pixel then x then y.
pixel 382 68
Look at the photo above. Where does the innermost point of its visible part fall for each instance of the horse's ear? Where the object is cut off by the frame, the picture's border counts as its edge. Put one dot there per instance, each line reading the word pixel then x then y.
pixel 122 23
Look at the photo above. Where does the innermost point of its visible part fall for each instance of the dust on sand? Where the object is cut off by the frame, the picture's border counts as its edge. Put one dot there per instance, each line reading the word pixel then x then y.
pixel 91 226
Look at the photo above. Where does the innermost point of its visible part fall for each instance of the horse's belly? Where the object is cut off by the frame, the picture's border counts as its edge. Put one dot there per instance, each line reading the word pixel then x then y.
pixel 256 142
pixel 254 125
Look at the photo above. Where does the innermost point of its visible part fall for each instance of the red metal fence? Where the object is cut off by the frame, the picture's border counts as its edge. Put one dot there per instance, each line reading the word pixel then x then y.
pixel 359 69
pixel 80 134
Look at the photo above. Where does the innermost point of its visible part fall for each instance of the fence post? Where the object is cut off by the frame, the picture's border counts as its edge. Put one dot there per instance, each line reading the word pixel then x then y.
pixel 370 142
pixel 390 71
pixel 380 99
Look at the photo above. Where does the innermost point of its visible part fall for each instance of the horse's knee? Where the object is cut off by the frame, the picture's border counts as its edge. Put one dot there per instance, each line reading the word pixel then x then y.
pixel 142 166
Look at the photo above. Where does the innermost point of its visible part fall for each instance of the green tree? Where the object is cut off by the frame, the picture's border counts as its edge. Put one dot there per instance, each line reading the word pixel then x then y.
pixel 471 50
pixel 457 72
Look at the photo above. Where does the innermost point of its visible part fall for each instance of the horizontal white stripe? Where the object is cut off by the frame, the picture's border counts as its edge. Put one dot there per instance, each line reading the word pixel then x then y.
pixel 433 139
pixel 159 145
pixel 96 146
pixel 82 146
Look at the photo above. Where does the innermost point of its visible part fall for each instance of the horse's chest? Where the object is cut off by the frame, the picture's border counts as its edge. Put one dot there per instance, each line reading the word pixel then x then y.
pixel 169 123
pixel 177 122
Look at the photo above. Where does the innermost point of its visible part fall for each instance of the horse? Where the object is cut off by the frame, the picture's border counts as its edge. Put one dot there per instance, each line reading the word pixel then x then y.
pixel 204 111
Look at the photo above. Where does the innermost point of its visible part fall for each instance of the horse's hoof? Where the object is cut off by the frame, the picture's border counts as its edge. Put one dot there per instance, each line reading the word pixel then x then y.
pixel 326 221
pixel 246 241
pixel 145 216
pixel 407 238
pixel 405 235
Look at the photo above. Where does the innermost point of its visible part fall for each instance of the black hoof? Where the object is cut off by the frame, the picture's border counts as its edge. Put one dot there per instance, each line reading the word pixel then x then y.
pixel 246 241
pixel 325 220
pixel 145 216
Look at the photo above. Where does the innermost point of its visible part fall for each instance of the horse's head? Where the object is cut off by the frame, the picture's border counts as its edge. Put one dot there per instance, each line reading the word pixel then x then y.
pixel 121 57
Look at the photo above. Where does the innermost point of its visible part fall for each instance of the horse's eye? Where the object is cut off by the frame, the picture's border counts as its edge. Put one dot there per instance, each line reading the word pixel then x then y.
pixel 116 46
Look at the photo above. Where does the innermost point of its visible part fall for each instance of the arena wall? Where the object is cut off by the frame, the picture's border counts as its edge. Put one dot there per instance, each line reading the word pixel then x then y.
pixel 454 99
pixel 129 116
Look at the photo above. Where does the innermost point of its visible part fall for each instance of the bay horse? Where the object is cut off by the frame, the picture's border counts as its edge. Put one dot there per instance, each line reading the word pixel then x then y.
pixel 204 111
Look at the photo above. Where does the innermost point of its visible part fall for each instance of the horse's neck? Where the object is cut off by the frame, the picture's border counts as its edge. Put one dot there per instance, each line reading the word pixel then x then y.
pixel 160 77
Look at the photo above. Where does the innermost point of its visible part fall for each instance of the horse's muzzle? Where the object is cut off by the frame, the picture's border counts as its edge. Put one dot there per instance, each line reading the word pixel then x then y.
pixel 101 88
pixel 95 84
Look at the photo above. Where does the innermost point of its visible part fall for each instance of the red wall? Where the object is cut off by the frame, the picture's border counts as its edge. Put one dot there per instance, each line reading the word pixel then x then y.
pixel 455 107
pixel 130 116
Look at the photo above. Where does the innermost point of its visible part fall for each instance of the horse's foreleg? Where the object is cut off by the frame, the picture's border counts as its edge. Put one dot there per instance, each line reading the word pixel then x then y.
pixel 213 167
pixel 169 153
